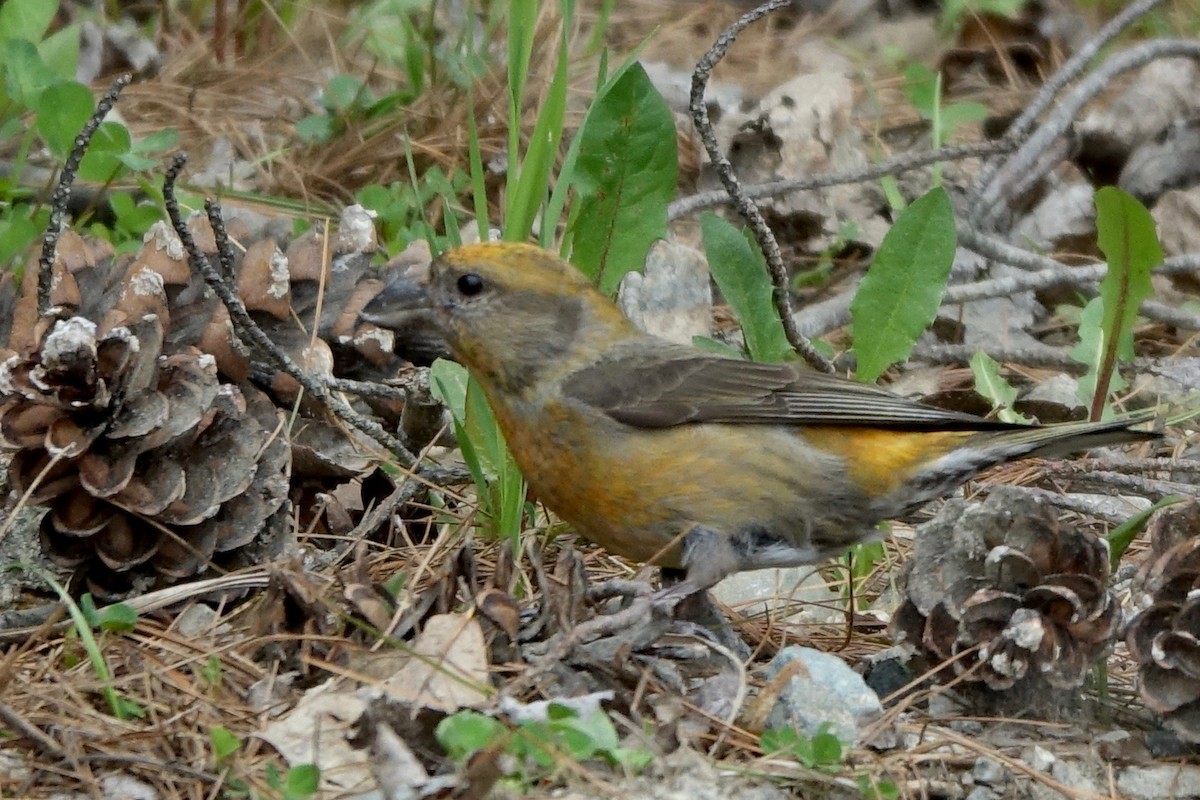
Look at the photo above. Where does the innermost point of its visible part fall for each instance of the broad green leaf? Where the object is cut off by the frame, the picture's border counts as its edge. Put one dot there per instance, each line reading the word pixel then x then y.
pixel 467 732
pixel 103 158
pixel 625 177
pixel 1126 234
pixel 26 19
pixel 25 75
pixel 224 743
pixel 1122 536
pixel 1090 353
pixel 741 275
pixel 991 384
pixel 901 292
pixel 564 185
pixel 60 51
pixel 303 780
pixel 61 113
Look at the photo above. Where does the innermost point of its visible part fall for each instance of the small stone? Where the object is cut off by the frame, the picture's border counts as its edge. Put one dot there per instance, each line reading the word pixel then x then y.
pixel 989 772
pixel 195 620
pixel 823 689
pixel 1159 781
pixel 791 595
pixel 1039 758
pixel 125 787
pixel 982 793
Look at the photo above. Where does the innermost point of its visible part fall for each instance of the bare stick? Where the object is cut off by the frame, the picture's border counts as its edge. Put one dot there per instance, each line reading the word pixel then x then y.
pixel 897 165
pixel 743 204
pixel 1068 72
pixel 1024 161
pixel 247 329
pixel 62 192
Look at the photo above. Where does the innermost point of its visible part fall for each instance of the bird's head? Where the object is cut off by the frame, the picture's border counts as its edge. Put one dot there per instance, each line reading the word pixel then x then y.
pixel 509 312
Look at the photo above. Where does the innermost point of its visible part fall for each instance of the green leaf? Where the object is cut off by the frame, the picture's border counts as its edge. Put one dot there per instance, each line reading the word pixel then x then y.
pixel 1122 536
pixel 117 617
pixel 102 162
pixel 211 671
pixel 991 384
pixel 901 292
pixel 25 75
pixel 315 128
pixel 827 747
pixel 711 345
pixel 741 274
pixel 921 88
pixel 1090 353
pixel 60 51
pixel 61 113
pixel 303 780
pixel 16 234
pixel 1126 234
pixel 467 732
pixel 625 176
pixel 528 180
pixel 26 19
pixel 224 743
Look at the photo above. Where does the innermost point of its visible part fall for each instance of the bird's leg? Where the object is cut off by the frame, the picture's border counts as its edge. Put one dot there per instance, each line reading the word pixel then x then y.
pixel 706 555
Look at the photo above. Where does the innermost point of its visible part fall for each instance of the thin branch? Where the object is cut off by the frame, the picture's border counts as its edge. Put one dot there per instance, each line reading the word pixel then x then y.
pixel 62 192
pixel 245 325
pixel 743 204
pixel 1027 158
pixel 1068 72
pixel 897 165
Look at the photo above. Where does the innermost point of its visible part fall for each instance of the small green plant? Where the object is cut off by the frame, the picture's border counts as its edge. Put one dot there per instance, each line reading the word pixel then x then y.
pixel 400 208
pixel 1127 236
pixel 923 88
pixel 740 273
pixel 83 623
pixel 538 747
pixel 900 295
pixel 37 86
pixel 992 385
pixel 823 750
pixel 211 672
pixel 298 783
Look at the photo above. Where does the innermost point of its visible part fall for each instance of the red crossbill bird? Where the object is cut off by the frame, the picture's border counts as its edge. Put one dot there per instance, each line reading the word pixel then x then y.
pixel 656 450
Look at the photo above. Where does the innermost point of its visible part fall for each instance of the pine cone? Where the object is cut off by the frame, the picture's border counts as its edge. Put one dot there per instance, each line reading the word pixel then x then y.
pixel 149 464
pixel 1164 638
pixel 1007 578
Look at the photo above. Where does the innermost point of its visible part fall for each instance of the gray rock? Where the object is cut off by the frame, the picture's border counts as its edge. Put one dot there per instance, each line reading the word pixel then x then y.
pixel 1062 389
pixel 982 793
pixel 1039 758
pixel 672 297
pixel 989 772
pixel 822 690
pixel 796 594
pixel 1156 781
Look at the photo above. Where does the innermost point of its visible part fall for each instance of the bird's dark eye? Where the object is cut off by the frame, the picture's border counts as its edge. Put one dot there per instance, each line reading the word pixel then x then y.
pixel 469 284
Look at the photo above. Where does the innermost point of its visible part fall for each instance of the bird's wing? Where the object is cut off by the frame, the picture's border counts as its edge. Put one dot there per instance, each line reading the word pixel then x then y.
pixel 667 385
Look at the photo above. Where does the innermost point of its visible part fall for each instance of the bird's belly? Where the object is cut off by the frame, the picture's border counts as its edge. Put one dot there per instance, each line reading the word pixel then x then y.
pixel 636 492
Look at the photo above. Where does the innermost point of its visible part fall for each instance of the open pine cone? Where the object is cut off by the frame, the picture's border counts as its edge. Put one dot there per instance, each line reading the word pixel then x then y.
pixel 132 409
pixel 1005 580
pixel 149 464
pixel 1164 638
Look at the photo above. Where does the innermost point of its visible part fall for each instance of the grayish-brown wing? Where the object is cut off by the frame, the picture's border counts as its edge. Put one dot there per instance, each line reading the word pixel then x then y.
pixel 654 384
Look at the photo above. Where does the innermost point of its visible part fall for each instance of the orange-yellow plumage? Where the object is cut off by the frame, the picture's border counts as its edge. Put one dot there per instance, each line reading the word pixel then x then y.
pixel 644 445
